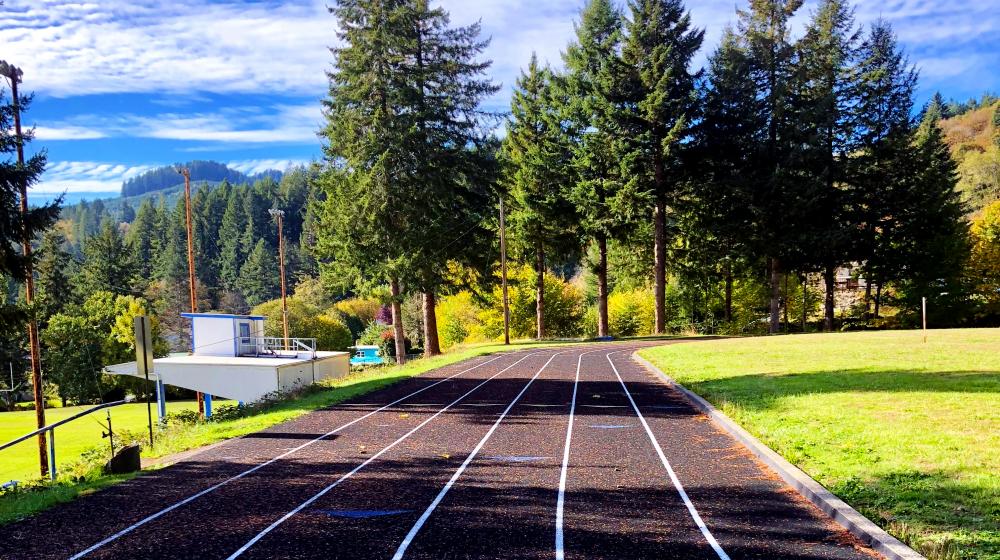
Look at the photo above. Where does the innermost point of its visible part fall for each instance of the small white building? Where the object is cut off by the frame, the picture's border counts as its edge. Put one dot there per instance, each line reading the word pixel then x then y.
pixel 231 358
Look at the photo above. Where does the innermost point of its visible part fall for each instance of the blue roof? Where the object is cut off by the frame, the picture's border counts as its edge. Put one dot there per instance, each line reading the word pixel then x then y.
pixel 222 316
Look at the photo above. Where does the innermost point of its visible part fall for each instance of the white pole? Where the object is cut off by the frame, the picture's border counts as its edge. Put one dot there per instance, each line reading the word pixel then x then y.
pixel 923 307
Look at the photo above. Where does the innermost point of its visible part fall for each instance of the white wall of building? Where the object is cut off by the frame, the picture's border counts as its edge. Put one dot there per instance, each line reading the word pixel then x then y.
pixel 213 336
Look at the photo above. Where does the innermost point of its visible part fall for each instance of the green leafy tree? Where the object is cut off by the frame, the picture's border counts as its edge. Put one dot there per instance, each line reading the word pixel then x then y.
pixel 73 357
pixel 537 158
pixel 657 105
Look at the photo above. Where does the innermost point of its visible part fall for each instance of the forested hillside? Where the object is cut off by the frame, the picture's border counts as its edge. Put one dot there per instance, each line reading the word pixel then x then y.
pixel 167 177
pixel 973 134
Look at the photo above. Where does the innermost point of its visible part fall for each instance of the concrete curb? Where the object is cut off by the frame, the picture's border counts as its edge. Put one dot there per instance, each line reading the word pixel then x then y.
pixel 857 524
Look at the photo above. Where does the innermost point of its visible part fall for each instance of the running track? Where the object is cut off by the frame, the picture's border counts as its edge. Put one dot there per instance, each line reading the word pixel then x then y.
pixel 573 452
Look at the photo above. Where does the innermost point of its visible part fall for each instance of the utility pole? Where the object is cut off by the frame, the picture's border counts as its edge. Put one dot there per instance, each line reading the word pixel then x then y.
pixel 280 215
pixel 14 75
pixel 503 274
pixel 190 243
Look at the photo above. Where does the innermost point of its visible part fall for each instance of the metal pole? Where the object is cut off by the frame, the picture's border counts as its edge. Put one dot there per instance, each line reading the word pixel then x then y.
pixel 145 361
pixel 52 454
pixel 280 214
pixel 14 75
pixel 923 312
pixel 190 250
pixel 503 274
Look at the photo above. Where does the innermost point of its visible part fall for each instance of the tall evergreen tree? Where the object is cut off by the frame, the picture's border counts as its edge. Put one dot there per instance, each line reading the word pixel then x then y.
pixel 142 238
pixel 109 264
pixel 825 97
pixel 259 276
pixel 603 205
pixel 231 251
pixel 55 266
pixel 882 164
pixel 764 29
pixel 537 157
pixel 657 105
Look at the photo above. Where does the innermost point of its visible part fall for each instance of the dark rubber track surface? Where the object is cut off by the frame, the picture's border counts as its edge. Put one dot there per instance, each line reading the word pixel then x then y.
pixel 619 500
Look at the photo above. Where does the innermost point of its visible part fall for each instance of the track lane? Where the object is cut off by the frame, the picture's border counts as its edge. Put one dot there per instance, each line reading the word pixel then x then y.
pixel 284 538
pixel 750 511
pixel 272 454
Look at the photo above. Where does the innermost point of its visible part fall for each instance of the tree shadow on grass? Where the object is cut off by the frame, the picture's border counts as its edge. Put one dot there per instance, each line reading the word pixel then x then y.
pixel 761 390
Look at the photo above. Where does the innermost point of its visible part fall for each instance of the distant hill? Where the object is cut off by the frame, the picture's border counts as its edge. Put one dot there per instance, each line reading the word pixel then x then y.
pixel 167 177
pixel 974 138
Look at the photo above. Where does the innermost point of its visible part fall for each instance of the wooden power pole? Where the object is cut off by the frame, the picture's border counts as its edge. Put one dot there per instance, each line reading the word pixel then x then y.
pixel 503 274
pixel 280 215
pixel 14 75
pixel 192 287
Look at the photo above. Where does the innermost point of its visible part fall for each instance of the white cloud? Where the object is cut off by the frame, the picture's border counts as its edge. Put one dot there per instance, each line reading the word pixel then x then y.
pixel 252 166
pixel 67 133
pixel 86 176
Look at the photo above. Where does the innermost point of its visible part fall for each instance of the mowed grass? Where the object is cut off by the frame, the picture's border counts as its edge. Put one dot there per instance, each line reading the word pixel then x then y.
pixel 907 432
pixel 20 462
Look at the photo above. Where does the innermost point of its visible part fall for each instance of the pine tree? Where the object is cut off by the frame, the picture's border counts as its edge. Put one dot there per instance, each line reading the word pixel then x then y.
pixel 259 276
pixel 537 158
pixel 231 251
pixel 658 103
pixel 882 163
pixel 15 226
pixel 825 97
pixel 604 206
pixel 109 264
pixel 726 143
pixel 764 30
pixel 55 266
pixel 142 238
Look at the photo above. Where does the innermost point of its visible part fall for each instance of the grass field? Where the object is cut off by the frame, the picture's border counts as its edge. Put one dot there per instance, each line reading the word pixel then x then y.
pixel 21 462
pixel 906 432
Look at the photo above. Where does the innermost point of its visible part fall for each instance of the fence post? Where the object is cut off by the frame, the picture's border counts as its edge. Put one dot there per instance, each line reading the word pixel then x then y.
pixel 52 454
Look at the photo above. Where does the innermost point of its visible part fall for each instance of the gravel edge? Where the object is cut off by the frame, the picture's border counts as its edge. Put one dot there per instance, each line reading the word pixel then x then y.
pixel 857 524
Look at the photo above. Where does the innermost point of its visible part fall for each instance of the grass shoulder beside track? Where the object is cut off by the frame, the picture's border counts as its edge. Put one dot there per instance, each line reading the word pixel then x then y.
pixel 77 439
pixel 907 432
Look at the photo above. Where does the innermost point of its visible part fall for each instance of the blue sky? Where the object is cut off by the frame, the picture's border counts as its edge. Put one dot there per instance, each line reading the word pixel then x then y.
pixel 125 85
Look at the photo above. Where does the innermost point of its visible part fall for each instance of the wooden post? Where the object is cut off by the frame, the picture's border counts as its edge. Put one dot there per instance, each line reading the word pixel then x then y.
pixel 503 274
pixel 192 289
pixel 923 313
pixel 14 75
pixel 280 215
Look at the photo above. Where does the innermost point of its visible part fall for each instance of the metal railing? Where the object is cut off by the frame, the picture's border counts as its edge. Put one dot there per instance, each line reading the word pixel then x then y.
pixel 275 347
pixel 52 434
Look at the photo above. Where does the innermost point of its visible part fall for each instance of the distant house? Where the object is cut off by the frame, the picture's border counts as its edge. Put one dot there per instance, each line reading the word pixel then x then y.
pixel 230 357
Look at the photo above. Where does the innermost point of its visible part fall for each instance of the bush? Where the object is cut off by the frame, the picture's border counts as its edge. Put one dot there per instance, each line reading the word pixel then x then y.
pixel 357 313
pixel 631 313
pixel 458 320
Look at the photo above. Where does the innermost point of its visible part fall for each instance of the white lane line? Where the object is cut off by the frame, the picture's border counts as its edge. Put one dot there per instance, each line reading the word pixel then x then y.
pixel 323 492
pixel 670 470
pixel 561 500
pixel 430 509
pixel 215 487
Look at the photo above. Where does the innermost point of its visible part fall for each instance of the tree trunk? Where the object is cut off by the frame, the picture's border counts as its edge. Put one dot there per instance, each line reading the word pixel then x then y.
pixel 602 286
pixel 868 299
pixel 784 301
pixel 804 301
pixel 729 293
pixel 432 346
pixel 775 323
pixel 660 265
pixel 397 323
pixel 540 291
pixel 878 298
pixel 828 311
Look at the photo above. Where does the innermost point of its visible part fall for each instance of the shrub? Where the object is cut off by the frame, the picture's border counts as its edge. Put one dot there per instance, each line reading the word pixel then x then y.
pixel 631 313
pixel 457 319
pixel 305 321
pixel 357 313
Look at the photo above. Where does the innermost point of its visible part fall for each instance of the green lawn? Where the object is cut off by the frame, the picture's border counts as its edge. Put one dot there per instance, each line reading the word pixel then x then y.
pixel 21 461
pixel 906 432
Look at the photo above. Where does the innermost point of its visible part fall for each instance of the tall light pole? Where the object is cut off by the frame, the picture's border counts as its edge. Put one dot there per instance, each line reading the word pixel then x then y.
pixel 503 274
pixel 192 290
pixel 280 215
pixel 13 74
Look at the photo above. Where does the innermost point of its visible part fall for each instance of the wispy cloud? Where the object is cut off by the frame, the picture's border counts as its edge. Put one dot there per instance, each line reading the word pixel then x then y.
pixel 279 124
pixel 252 166
pixel 86 176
